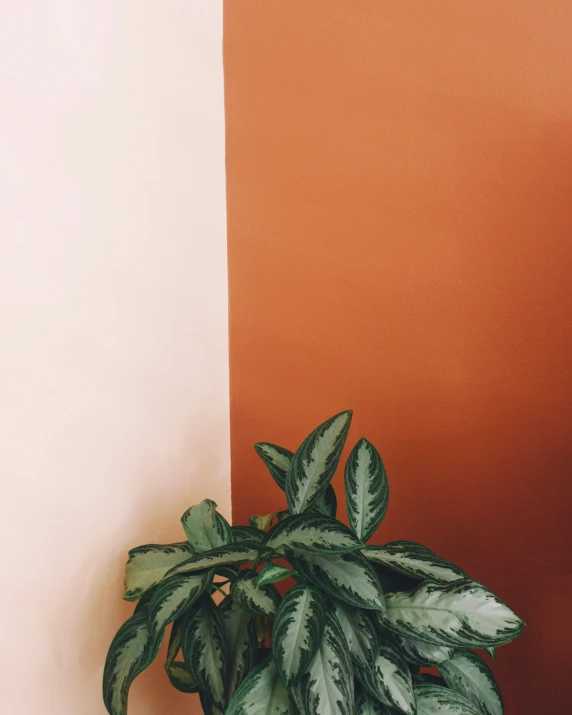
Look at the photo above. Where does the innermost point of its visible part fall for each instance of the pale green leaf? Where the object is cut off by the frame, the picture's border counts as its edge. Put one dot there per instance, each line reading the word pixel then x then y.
pixel 147 565
pixel 315 462
pixel 271 573
pixel 470 676
pixel 360 630
pixel 327 686
pixel 415 561
pixel 367 489
pixel 297 631
pixel 204 650
pixel 221 556
pixel 422 653
pixel 347 577
pixel 132 650
pixel 261 600
pixel 312 532
pixel 173 596
pixel 239 628
pixel 180 677
pixel 436 700
pixel 389 680
pixel 205 527
pixel 277 459
pixel 261 693
pixel 458 614
pixel 262 522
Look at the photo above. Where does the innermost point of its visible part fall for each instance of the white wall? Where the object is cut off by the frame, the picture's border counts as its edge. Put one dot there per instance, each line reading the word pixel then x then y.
pixel 113 323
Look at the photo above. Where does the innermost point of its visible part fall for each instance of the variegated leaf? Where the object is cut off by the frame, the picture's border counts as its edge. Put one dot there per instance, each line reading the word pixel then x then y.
pixel 147 565
pixel 491 652
pixel 422 653
pixel 327 502
pixel 458 614
pixel 246 533
pixel 389 680
pixel 221 556
pixel 204 650
pixel 261 600
pixel 297 631
pixel 367 489
pixel 173 596
pixel 277 459
pixel 367 705
pixel 132 650
pixel 271 573
pixel 415 562
pixel 261 693
pixel 470 676
pixel 205 527
pixel 314 464
pixel 346 577
pixel 360 631
pixel 312 532
pixel 262 522
pixel 427 679
pixel 180 677
pixel 436 700
pixel 327 686
pixel 239 629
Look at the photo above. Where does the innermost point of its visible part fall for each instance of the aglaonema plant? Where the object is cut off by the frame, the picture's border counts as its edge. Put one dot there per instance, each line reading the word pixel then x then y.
pixel 354 634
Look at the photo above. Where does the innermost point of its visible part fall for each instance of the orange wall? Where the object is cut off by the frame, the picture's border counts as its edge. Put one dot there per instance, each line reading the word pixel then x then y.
pixel 399 215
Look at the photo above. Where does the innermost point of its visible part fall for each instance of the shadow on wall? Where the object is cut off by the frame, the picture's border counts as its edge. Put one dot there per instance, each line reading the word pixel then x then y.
pixel 98 584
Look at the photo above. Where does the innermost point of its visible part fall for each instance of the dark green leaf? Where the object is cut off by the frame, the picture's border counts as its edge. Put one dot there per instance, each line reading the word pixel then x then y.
pixel 180 677
pixel 174 595
pixel 327 502
pixel 239 629
pixel 435 700
pixel 261 693
pixel 414 561
pixel 247 533
pixel 312 532
pixel 272 573
pixel 261 600
pixel 367 489
pixel 277 459
pixel 221 556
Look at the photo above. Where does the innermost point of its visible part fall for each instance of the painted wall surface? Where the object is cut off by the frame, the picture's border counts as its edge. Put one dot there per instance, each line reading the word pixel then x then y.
pixel 399 179
pixel 113 339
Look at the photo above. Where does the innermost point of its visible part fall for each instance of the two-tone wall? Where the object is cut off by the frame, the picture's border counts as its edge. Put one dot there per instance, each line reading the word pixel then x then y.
pixel 398 179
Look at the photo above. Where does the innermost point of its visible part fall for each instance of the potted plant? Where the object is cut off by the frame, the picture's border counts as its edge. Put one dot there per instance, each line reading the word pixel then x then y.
pixel 355 632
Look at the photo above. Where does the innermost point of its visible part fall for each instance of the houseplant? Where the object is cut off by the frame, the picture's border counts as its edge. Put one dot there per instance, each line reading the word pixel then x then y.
pixel 356 631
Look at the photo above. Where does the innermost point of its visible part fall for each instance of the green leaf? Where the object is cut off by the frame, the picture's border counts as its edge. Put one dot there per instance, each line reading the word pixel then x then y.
pixel 180 677
pixel 424 654
pixel 347 577
pixel 327 502
pixel 174 642
pixel 490 652
pixel 205 527
pixel 297 632
pixel 221 556
pixel 147 565
pixel 360 630
pixel 262 522
pixel 239 628
pixel 204 650
pixel 366 705
pixel 173 596
pixel 312 532
pixel 263 601
pixel 459 614
pixel 367 489
pixel 436 700
pixel 277 459
pixel 470 676
pixel 315 462
pixel 271 573
pixel 389 680
pixel 427 679
pixel 414 561
pixel 132 650
pixel 327 686
pixel 261 693
pixel 246 533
